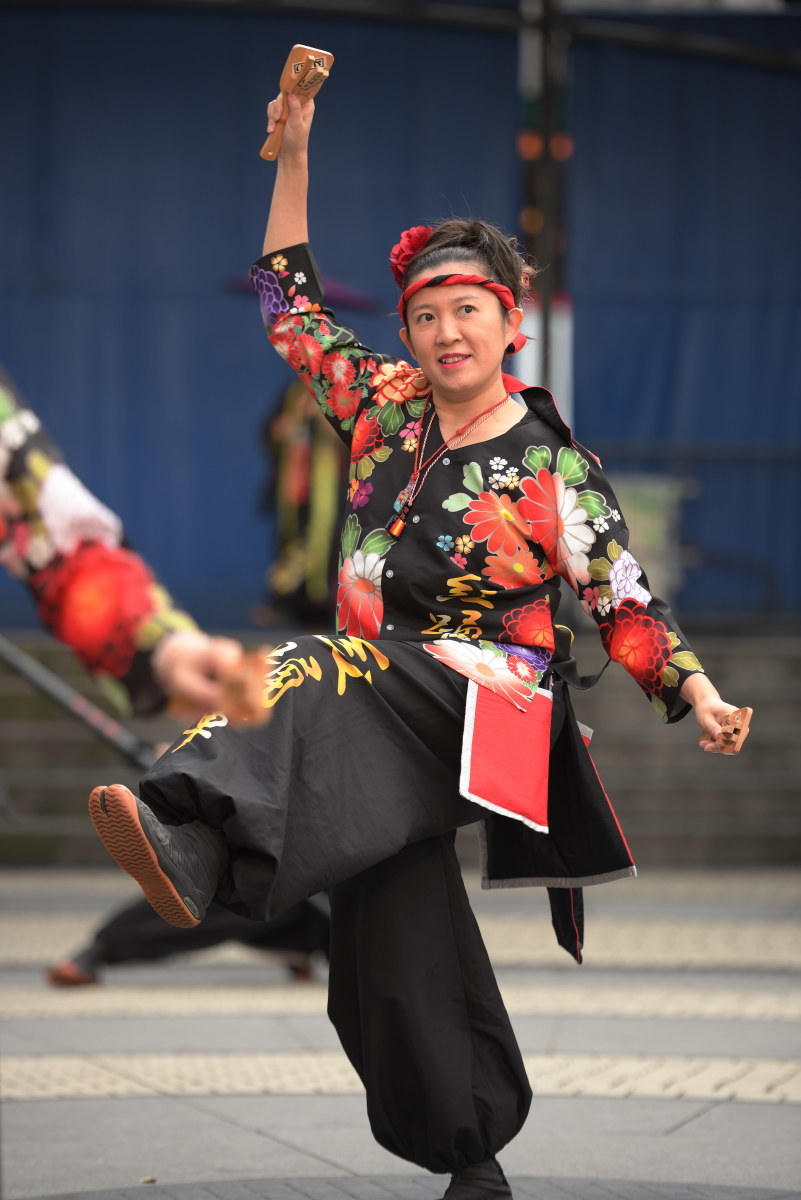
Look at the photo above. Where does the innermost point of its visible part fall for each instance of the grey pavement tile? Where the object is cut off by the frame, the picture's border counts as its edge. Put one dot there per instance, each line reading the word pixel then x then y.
pixel 651 1035
pixel 627 1190
pixel 657 1191
pixel 591 977
pixel 411 1187
pixel 187 1191
pixel 350 1150
pixel 332 1128
pixel 426 1188
pixel 743 1144
pixel 288 1113
pixel 319 1189
pixel 235 1190
pixel 534 1190
pixel 121 1035
pixel 656 1141
pixel 414 1187
pixel 397 1188
pixel 97 1144
pixel 754 1192
pixel 617 1189
pixel 539 1189
pixel 584 1189
pixel 594 1117
pixel 273 1189
pixel 312 1032
pixel 22 1038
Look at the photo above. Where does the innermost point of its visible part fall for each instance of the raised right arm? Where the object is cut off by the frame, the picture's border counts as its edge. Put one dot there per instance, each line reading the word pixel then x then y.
pixel 349 380
pixel 287 224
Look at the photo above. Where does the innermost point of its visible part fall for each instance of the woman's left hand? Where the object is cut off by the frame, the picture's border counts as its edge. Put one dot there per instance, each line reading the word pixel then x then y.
pixel 709 711
pixel 709 715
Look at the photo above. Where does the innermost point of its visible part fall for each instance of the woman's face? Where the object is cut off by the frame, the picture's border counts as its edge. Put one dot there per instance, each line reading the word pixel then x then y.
pixel 459 332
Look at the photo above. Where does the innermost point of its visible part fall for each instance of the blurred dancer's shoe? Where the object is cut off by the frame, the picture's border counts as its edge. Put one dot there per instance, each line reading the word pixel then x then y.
pixel 70 973
pixel 177 867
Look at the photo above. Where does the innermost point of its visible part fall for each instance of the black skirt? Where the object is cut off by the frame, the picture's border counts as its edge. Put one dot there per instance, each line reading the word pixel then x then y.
pixel 360 758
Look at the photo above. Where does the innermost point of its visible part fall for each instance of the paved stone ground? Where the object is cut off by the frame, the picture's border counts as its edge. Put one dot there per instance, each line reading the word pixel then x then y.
pixel 668 1066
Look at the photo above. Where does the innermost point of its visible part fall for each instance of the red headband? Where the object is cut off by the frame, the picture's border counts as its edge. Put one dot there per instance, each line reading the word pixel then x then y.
pixel 503 293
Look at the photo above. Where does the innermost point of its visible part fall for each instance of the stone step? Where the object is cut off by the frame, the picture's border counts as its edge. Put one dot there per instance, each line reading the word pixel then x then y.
pixel 42 791
pixel 65 840
pixel 666 849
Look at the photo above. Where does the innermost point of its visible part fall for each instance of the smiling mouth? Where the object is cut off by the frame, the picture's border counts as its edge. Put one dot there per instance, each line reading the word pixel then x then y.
pixel 452 360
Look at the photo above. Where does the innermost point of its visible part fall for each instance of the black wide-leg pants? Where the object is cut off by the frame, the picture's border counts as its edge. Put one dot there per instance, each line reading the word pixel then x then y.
pixel 353 788
pixel 417 1008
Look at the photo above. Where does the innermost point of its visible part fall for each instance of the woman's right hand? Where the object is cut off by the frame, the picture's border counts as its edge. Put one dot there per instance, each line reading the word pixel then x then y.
pixel 298 115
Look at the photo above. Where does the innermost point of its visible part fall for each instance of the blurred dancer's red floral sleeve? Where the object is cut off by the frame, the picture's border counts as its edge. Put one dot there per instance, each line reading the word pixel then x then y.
pixel 91 591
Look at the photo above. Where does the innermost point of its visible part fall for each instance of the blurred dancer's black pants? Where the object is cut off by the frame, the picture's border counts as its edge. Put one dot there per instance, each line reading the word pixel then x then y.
pixel 137 934
pixel 417 1008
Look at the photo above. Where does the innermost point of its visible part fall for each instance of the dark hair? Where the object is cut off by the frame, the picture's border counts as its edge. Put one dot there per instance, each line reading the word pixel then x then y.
pixel 458 240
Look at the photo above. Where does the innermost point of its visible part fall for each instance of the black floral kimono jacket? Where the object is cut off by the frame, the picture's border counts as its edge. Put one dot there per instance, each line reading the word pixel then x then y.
pixel 441 699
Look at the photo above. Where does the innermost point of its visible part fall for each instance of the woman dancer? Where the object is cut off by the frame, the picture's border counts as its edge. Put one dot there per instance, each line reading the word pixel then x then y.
pixel 437 703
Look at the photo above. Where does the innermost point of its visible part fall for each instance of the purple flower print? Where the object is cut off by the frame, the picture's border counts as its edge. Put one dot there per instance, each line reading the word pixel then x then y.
pixel 271 299
pixel 362 494
pixel 538 656
pixel 623 577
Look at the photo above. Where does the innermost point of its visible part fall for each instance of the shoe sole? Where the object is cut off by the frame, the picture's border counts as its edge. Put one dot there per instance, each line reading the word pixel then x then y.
pixel 115 817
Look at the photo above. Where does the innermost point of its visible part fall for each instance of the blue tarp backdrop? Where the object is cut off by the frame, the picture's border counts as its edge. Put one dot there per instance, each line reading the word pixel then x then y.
pixel 133 196
pixel 684 253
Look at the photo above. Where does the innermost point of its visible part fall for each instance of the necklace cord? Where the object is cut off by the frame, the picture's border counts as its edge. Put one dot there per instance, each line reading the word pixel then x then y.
pixel 420 470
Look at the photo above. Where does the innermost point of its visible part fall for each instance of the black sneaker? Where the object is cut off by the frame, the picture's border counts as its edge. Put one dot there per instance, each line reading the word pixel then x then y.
pixel 482 1181
pixel 177 867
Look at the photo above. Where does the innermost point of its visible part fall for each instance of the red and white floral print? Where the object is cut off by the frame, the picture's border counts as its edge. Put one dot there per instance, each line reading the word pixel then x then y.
pixel 531 625
pixel 283 335
pixel 558 523
pixel 367 438
pixel 522 669
pixel 360 605
pixel 639 643
pixel 306 354
pixel 395 383
pixel 343 400
pixel 497 521
pixel 482 662
pixel 338 369
pixel 514 570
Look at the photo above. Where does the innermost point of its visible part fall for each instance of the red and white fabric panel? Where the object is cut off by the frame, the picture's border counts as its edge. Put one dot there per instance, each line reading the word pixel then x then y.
pixel 505 753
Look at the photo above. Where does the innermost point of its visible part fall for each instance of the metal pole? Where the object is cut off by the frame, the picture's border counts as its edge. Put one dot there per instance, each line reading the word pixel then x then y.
pixel 548 187
pixel 101 724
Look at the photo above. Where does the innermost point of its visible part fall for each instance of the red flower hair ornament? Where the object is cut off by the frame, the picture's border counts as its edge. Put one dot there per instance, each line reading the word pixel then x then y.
pixel 411 242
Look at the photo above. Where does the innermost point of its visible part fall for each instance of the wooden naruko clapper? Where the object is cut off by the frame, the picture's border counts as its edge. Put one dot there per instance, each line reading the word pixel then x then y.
pixel 305 71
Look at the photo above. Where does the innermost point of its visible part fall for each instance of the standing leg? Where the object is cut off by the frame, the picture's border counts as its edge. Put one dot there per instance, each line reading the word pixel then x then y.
pixel 416 1005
